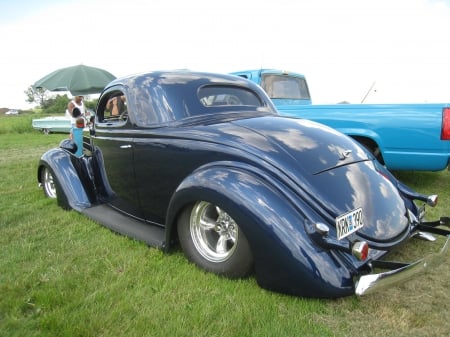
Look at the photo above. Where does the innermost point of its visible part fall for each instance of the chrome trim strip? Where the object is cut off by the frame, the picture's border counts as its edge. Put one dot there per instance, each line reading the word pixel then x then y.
pixel 424 236
pixel 373 282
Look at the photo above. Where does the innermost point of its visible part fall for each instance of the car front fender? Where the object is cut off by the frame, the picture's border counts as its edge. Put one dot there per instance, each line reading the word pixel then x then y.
pixel 69 172
pixel 285 257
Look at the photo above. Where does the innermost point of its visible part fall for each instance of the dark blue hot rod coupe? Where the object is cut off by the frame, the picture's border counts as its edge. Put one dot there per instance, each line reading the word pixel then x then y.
pixel 205 161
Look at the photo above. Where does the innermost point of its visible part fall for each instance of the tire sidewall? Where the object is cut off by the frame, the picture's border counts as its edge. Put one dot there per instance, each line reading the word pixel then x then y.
pixel 60 195
pixel 238 265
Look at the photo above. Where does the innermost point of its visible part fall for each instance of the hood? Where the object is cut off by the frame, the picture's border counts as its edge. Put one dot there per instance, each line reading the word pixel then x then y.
pixel 331 170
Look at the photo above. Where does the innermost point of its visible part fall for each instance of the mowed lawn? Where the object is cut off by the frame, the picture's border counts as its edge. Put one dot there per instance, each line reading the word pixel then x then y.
pixel 64 275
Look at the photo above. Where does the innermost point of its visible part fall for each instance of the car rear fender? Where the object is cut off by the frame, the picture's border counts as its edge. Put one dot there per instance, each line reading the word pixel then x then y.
pixel 70 172
pixel 285 257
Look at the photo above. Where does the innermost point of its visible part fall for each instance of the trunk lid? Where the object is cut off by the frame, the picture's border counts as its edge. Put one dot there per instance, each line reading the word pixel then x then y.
pixel 337 174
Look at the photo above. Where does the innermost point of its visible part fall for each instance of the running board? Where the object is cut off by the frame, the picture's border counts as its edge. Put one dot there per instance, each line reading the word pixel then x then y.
pixel 153 236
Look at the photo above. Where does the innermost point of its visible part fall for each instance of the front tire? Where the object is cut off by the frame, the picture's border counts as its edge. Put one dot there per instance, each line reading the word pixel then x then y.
pixel 211 239
pixel 48 183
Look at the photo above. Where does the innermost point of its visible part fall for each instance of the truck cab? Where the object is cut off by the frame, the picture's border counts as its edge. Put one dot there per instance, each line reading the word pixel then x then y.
pixel 283 87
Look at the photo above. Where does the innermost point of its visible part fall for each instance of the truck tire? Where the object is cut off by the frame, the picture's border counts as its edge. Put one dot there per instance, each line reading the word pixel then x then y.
pixel 373 147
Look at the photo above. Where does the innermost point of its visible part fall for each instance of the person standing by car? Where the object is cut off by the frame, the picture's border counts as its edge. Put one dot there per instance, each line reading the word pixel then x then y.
pixel 77 102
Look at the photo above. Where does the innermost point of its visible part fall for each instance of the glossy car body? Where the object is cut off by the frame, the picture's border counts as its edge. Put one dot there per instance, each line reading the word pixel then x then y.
pixel 205 160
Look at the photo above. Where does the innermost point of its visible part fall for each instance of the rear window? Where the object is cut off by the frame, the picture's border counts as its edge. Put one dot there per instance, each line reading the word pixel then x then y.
pixel 220 95
pixel 286 87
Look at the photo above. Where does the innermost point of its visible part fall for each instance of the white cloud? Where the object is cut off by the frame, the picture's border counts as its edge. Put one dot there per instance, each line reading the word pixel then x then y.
pixel 341 46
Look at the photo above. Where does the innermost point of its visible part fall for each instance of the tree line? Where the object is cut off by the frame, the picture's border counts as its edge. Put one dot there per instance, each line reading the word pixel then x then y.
pixel 50 103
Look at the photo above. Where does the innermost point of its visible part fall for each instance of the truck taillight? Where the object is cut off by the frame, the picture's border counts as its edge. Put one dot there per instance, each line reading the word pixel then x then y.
pixel 445 132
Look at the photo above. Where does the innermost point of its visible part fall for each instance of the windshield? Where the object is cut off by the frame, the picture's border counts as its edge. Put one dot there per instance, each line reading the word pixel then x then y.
pixel 285 86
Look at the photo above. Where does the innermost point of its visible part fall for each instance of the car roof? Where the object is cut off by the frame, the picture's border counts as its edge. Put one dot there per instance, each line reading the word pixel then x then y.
pixel 179 76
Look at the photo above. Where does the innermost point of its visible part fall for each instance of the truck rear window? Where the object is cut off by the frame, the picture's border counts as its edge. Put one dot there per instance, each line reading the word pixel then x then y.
pixel 285 86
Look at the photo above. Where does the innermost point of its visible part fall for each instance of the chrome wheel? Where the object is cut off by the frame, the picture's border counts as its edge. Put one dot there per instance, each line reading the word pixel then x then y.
pixel 48 183
pixel 213 240
pixel 213 232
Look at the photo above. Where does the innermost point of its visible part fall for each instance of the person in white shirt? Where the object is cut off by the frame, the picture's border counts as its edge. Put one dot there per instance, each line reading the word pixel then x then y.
pixel 76 102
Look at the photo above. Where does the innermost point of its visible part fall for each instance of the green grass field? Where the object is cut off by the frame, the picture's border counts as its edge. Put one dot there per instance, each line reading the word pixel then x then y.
pixel 64 275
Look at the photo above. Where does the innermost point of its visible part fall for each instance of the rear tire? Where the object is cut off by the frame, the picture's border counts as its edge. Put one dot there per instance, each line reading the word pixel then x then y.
pixel 211 239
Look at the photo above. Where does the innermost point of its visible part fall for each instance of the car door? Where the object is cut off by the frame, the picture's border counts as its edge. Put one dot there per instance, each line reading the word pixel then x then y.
pixel 114 139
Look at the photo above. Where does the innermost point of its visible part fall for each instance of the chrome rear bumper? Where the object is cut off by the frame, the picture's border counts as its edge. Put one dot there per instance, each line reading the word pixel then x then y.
pixel 373 282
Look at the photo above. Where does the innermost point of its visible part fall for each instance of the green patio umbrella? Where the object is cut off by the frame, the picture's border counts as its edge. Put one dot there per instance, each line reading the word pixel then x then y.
pixel 79 80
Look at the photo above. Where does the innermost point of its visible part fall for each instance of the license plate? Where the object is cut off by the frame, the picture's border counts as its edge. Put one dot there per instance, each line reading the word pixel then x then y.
pixel 349 223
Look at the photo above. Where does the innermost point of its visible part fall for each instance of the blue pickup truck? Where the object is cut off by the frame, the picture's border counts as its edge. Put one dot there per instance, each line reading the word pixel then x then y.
pixel 401 136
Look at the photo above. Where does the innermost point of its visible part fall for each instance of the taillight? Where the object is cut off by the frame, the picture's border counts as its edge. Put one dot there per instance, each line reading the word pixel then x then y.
pixel 360 250
pixel 445 131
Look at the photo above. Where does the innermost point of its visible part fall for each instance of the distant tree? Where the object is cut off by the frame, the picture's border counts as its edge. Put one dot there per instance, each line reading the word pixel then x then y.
pixel 58 104
pixel 90 103
pixel 36 95
pixel 55 105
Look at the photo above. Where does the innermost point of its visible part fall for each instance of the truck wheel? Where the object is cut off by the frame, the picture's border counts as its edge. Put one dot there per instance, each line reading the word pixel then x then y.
pixel 370 145
pixel 211 239
pixel 48 183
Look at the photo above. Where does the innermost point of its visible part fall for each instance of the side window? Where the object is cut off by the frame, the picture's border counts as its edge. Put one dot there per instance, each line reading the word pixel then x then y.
pixel 112 110
pixel 116 107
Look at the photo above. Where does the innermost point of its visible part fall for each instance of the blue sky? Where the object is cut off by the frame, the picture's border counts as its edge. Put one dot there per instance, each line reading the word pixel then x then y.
pixel 11 10
pixel 343 47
